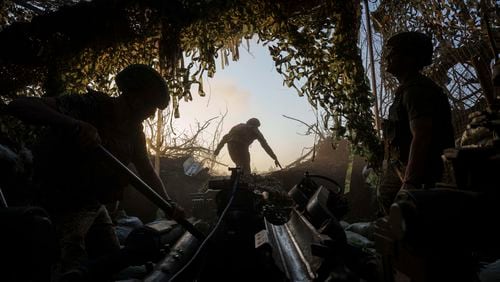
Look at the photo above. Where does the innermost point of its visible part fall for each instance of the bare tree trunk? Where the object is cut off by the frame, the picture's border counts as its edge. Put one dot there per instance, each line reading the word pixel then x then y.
pixel 159 140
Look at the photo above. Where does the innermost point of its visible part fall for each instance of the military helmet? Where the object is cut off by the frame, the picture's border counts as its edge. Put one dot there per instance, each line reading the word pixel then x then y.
pixel 413 43
pixel 253 122
pixel 137 77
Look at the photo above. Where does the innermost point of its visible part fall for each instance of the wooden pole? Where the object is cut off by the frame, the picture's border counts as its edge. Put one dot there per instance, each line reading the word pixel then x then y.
pixel 372 66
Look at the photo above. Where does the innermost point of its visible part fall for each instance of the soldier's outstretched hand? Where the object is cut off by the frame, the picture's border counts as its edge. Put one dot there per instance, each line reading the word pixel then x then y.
pixel 277 163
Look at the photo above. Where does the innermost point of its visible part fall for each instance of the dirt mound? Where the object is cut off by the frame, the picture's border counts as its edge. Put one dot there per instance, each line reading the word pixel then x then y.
pixel 329 161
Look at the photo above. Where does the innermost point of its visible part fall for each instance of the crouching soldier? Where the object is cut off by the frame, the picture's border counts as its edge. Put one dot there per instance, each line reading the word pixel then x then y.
pixel 239 139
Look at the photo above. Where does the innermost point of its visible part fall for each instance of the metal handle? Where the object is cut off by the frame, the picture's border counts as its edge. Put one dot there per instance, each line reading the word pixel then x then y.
pixel 151 194
pixel 3 202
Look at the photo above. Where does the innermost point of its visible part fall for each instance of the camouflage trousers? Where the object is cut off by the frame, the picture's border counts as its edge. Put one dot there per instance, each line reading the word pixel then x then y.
pixel 83 234
pixel 240 156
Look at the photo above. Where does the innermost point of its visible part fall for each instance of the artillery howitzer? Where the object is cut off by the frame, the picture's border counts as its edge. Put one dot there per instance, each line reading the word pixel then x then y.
pixel 259 233
pixel 254 232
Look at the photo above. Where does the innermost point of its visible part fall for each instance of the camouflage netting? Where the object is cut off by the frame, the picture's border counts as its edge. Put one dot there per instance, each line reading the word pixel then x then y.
pixel 54 47
pixel 463 48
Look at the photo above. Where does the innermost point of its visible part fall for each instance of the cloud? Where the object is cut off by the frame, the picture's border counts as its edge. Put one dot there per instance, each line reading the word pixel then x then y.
pixel 225 92
pixel 221 94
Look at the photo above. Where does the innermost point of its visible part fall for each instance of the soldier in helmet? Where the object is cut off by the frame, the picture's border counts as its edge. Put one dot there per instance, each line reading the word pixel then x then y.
pixel 74 178
pixel 239 139
pixel 419 127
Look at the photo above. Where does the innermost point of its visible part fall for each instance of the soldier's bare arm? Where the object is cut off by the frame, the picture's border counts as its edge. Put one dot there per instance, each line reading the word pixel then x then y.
pixel 43 111
pixel 221 144
pixel 421 129
pixel 266 147
pixel 145 169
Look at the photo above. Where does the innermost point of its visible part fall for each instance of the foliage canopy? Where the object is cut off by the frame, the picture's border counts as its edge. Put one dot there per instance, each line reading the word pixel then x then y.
pixel 313 44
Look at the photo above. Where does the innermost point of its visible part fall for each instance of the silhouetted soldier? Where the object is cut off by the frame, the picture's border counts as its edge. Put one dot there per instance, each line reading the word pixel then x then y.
pixel 419 126
pixel 75 179
pixel 239 139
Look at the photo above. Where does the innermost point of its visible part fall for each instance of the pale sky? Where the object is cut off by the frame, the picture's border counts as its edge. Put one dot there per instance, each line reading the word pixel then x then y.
pixel 251 87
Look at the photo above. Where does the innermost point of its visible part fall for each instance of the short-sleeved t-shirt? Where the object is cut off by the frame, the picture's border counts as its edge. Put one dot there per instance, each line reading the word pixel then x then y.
pixel 244 134
pixel 68 175
pixel 416 98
